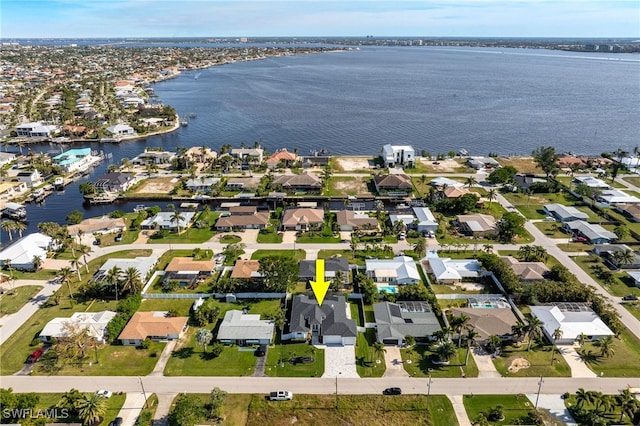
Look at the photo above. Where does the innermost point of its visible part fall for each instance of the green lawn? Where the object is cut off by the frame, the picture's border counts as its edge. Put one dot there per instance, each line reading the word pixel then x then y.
pixel 620 285
pixel 421 365
pixel 634 308
pixel 369 316
pixel 612 414
pixel 48 401
pixel 317 239
pixel 574 247
pixel 539 359
pixel 13 300
pixel 366 362
pixel 269 236
pixel 279 354
pixel 355 314
pixel 515 407
pixel 181 306
pixel 230 239
pixel 298 254
pixel 374 410
pixel 625 361
pixel 191 236
pixel 551 229
pixel 42 274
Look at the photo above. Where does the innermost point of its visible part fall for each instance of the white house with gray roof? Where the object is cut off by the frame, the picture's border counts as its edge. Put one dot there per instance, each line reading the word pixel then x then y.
pixel 564 213
pixel 596 234
pixel 163 220
pixel 451 271
pixel 395 321
pixel 573 319
pixel 393 155
pixel 144 266
pixel 94 322
pixel 238 328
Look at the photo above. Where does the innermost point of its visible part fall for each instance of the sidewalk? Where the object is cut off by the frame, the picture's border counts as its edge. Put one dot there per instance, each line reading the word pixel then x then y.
pixel 131 408
pixel 458 408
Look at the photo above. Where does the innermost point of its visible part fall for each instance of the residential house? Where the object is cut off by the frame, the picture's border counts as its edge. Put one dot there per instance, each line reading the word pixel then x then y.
pixel 426 221
pixel 21 252
pixel 302 219
pixel 248 155
pixel 443 182
pixel 242 183
pixel 591 182
pixel 574 319
pixel 98 225
pixel 489 322
pixel 595 234
pixel 121 130
pixel 478 163
pixel 525 180
pixel 10 189
pixel 163 220
pixel 454 192
pixel 30 177
pixel 527 271
pixel 396 321
pixel 398 155
pixel 399 270
pixel 188 272
pixel 608 254
pixel 153 156
pixel 331 266
pixel 635 276
pixel 304 182
pixel 477 224
pixel 564 213
pixel 281 157
pixel 76 160
pixel 238 328
pixel 243 217
pixel 393 185
pixel 36 129
pixel 201 184
pixel 95 324
pixel 349 220
pixel 197 154
pixel 451 271
pixel 326 323
pixel 114 182
pixel 615 196
pixel 144 265
pixel 248 270
pixel 6 158
pixel 157 326
pixel 631 211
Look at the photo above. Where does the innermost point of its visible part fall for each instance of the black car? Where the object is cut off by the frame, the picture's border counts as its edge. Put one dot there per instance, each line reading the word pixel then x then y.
pixel 118 238
pixel 261 351
pixel 630 297
pixel 116 422
pixel 392 391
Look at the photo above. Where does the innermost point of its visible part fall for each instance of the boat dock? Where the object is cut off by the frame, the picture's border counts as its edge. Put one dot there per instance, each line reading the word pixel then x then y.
pixel 102 199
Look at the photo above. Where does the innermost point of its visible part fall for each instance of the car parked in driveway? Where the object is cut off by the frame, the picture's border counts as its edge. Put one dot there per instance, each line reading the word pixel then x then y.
pixel 630 297
pixel 392 391
pixel 104 393
pixel 579 240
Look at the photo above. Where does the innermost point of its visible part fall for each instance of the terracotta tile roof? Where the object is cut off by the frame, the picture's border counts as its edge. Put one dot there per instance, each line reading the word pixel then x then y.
pixel 145 324
pixel 282 155
pixel 188 264
pixel 303 216
pixel 245 269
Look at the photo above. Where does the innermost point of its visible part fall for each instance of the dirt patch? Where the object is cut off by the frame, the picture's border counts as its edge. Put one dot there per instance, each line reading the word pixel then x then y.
pixel 522 164
pixel 350 164
pixel 157 186
pixel 444 166
pixel 351 187
pixel 518 364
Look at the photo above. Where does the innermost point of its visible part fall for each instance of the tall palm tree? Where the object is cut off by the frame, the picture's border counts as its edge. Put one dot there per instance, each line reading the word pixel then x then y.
pixel 65 278
pixel 84 251
pixel 534 328
pixel 584 397
pixel 37 262
pixel 557 333
pixel 472 334
pixel 91 407
pixel 378 350
pixel 75 262
pixel 446 351
pixel 113 277
pixel 131 281
pixel 470 181
pixel 439 335
pixel 8 226
pixel 519 329
pixel 628 404
pixel 459 324
pixel 491 195
pixel 606 345
pixel 495 342
pixel 176 217
pixel 19 226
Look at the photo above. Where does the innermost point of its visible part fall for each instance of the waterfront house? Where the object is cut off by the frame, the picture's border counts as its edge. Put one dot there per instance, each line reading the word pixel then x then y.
pixel 242 183
pixel 304 182
pixel 326 323
pixel 476 224
pixel 248 155
pixel 163 220
pixel 478 163
pixel 200 155
pixel 76 160
pixel 30 177
pixel 302 219
pixel 426 221
pixel 574 319
pixel 239 328
pixel 348 220
pixel 153 156
pixel 399 270
pixel 393 185
pixel 98 225
pixel 595 234
pixel 6 158
pixel 527 271
pixel 489 321
pixel 144 265
pixel 36 129
pixel 243 217
pixel 282 157
pixel 398 155
pixel 396 321
pixel 114 182
pixel 95 324
pixel 21 252
pixel 564 213
pixel 451 271
pixel 157 326
pixel 331 266
pixel 201 184
pixel 10 189
pixel 121 130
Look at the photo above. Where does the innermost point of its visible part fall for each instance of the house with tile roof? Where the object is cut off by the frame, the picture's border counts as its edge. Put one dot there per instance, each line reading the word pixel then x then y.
pixel 348 220
pixel 157 326
pixel 306 182
pixel 243 217
pixel 393 185
pixel 326 323
pixel 98 225
pixel 187 271
pixel 246 270
pixel 281 157
pixel 488 322
pixel 527 271
pixel 302 219
pixel 476 224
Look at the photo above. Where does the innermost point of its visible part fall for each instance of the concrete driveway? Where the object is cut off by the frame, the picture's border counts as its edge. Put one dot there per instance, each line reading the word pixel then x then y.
pixel 339 361
pixel 288 237
pixel 393 362
pixel 578 367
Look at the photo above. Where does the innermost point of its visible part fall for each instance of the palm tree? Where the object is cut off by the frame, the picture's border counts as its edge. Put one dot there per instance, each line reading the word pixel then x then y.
pixel 84 251
pixel 37 262
pixel 584 397
pixel 446 351
pixel 491 195
pixel 534 328
pixel 8 226
pixel 378 350
pixel 495 342
pixel 518 329
pixel 91 407
pixel 19 226
pixel 470 181
pixel 487 248
pixel 75 262
pixel 628 404
pixel 606 346
pixel 623 257
pixel 557 333
pixel 69 399
pixel 420 247
pixel 472 334
pixel 131 281
pixel 459 324
pixel 176 217
pixel 65 278
pixel 439 335
pixel 581 339
pixel 113 277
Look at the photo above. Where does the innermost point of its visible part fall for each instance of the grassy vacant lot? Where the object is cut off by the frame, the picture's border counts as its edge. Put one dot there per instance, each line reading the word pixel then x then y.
pixel 622 364
pixel 49 400
pixel 352 410
pixel 12 300
pixel 514 407
pixel 366 360
pixel 421 365
pixel 285 351
pixel 42 274
pixel 298 254
pixel 521 164
pixel 348 185
pixel 531 205
pixel 620 285
pixel 539 358
pixel 551 229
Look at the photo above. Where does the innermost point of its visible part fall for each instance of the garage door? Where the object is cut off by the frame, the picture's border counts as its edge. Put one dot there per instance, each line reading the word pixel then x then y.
pixel 332 340
pixel 390 342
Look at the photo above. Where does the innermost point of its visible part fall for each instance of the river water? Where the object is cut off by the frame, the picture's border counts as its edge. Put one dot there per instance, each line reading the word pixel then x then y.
pixel 507 101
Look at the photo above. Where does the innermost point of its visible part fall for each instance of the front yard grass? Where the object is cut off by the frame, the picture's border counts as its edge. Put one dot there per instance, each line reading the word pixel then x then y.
pixel 421 365
pixel 298 254
pixel 366 362
pixel 48 401
pixel 574 247
pixel 623 363
pixel 539 359
pixel 279 354
pixel 619 285
pixel 551 229
pixel 230 239
pixel 374 410
pixel 515 407
pixel 42 274
pixel 269 236
pixel 191 236
pixel 13 300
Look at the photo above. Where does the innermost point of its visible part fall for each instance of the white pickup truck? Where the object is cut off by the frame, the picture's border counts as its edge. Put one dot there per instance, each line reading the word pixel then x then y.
pixel 280 396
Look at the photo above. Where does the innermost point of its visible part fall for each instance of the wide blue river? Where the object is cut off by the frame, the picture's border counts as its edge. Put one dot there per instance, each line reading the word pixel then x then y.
pixel 507 101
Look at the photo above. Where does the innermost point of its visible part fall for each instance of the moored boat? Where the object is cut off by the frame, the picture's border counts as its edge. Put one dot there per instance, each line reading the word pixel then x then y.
pixel 15 211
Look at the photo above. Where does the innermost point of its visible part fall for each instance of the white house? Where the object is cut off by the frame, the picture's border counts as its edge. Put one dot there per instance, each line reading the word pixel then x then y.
pixel 21 252
pixel 635 276
pixel 94 322
pixel 615 196
pixel 402 155
pixel 451 271
pixel 78 159
pixel 163 220
pixel 144 265
pixel 426 220
pixel 238 328
pixel 591 182
pixel 399 270
pixel 121 130
pixel 565 213
pixel 573 319
pixel 35 129
pixel 30 177
pixel 593 232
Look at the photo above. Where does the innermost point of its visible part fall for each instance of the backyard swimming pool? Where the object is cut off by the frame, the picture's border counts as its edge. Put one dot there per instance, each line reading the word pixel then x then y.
pixel 387 288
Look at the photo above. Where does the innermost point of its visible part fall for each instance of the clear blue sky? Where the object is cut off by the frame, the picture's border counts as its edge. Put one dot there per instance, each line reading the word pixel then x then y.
pixel 236 18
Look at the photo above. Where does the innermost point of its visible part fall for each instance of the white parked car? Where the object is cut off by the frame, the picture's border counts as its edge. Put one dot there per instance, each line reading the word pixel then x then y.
pixel 280 396
pixel 104 393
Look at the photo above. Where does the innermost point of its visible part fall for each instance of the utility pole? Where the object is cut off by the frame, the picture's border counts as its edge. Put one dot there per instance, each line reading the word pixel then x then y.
pixel 143 393
pixel 428 391
pixel 540 382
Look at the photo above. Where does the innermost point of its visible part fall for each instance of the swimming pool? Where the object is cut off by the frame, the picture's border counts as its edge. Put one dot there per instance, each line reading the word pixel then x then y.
pixel 387 288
